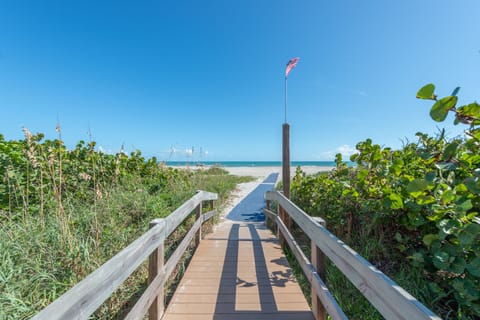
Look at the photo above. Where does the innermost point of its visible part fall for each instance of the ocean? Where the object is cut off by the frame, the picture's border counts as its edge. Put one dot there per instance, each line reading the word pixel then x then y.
pixel 254 163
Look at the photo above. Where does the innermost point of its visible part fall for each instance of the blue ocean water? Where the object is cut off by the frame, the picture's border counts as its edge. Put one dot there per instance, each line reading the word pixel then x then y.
pixel 253 163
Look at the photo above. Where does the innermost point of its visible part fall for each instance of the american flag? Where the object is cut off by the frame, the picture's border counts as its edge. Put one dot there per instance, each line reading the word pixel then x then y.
pixel 290 65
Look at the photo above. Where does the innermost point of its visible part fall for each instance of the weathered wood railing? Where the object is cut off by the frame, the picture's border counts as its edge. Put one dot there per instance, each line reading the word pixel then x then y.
pixel 384 294
pixel 84 298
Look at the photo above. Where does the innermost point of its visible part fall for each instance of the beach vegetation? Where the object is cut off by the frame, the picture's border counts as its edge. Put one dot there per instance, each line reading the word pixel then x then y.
pixel 413 212
pixel 64 212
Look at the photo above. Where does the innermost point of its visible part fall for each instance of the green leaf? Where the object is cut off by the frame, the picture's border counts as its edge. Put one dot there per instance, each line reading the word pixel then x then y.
pixel 398 237
pixel 437 290
pixel 455 92
pixel 475 308
pixel 430 177
pixel 417 257
pixel 476 134
pixel 458 265
pixel 448 226
pixel 11 173
pixel 397 166
pixel 473 184
pixel 422 200
pixel 452 250
pixel 446 166
pixel 466 289
pixel 464 206
pixel 449 151
pixel 436 244
pixel 460 188
pixel 469 233
pixel 440 109
pixel 396 201
pixel 472 159
pixel 471 110
pixel 362 174
pixel 474 267
pixel 448 196
pixel 415 219
pixel 429 238
pixel 417 185
pixel 426 92
pixel 441 260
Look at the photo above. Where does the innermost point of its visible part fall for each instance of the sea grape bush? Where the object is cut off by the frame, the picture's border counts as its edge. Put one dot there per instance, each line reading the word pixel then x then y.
pixel 422 202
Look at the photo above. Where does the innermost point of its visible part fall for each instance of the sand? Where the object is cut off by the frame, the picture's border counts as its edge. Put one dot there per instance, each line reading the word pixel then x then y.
pixel 259 173
pixel 263 172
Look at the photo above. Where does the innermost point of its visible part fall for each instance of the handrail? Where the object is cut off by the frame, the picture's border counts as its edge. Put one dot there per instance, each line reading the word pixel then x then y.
pixel 391 300
pixel 85 297
pixel 310 271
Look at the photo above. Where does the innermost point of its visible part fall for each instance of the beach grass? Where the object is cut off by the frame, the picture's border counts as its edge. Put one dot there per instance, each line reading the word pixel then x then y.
pixel 66 212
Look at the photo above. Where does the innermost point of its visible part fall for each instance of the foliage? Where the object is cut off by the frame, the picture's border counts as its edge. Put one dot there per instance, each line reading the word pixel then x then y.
pixel 64 212
pixel 421 203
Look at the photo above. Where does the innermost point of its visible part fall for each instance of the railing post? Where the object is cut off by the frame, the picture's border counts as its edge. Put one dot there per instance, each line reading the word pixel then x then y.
pixel 281 215
pixel 267 206
pixel 318 262
pixel 198 234
pixel 155 266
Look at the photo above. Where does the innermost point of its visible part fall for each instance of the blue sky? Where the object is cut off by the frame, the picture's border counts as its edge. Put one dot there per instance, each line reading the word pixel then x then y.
pixel 164 75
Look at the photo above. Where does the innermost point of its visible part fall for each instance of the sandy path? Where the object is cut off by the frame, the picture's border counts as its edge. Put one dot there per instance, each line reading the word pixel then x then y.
pixel 265 171
pixel 260 173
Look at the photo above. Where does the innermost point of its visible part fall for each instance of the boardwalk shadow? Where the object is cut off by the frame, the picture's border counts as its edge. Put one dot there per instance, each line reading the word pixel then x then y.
pixel 261 300
pixel 227 290
pixel 251 296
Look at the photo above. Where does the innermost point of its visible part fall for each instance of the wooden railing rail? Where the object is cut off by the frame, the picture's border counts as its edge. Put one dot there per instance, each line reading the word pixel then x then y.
pixel 392 301
pixel 85 297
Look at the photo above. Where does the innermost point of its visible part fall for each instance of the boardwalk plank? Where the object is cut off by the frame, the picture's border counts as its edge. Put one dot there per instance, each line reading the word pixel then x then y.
pixel 239 272
pixel 300 315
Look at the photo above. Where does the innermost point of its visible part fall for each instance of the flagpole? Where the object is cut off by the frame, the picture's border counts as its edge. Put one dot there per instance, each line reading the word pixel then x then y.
pixel 285 99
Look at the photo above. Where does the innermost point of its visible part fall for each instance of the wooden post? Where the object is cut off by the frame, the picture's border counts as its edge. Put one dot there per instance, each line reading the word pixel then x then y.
pixel 281 238
pixel 155 266
pixel 318 262
pixel 285 177
pixel 267 206
pixel 286 160
pixel 198 235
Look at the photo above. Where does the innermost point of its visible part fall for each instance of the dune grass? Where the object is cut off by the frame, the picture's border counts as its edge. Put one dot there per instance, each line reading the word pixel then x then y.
pixel 63 213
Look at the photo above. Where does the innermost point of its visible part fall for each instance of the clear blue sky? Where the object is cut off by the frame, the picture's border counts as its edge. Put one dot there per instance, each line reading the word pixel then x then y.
pixel 158 74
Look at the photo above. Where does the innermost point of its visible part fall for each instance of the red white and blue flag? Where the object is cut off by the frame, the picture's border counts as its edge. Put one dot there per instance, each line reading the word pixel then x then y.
pixel 290 65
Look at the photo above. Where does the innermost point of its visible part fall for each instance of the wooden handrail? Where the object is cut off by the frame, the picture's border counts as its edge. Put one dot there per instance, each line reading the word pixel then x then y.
pixel 392 301
pixel 85 297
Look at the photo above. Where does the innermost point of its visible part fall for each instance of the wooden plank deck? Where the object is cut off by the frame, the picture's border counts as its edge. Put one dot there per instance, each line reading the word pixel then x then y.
pixel 239 272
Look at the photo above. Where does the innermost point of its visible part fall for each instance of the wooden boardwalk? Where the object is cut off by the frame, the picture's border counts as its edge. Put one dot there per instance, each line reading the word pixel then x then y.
pixel 239 272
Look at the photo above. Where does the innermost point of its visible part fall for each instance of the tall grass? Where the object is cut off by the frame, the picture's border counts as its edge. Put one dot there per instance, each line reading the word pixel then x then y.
pixel 63 213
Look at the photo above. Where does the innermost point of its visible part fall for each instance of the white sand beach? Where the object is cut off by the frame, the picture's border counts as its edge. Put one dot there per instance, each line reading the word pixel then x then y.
pixel 263 172
pixel 260 173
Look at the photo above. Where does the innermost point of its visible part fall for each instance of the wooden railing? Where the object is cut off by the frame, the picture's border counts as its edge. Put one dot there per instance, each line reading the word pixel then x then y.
pixel 384 294
pixel 84 298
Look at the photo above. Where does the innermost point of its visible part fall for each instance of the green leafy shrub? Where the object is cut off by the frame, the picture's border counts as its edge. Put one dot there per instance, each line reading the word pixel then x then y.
pixel 421 203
